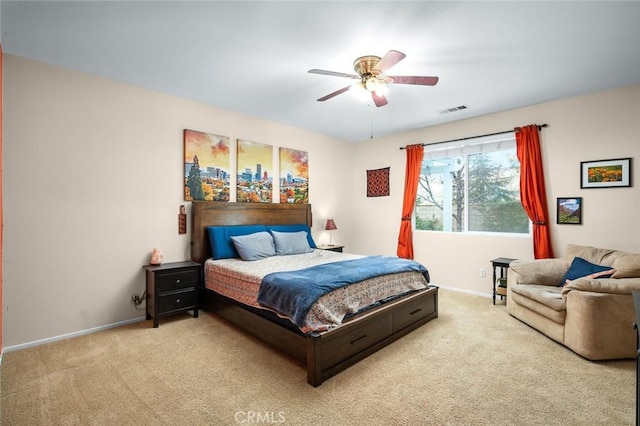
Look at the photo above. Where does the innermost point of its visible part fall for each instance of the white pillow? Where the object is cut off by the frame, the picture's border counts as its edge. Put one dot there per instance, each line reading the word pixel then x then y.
pixel 254 246
pixel 291 243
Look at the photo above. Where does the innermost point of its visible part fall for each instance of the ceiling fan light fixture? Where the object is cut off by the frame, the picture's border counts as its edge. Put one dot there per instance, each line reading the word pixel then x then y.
pixel 382 89
pixel 374 85
pixel 373 81
pixel 359 91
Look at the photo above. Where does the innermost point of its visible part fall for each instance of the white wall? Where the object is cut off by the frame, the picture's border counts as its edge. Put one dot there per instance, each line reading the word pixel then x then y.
pixel 93 181
pixel 598 126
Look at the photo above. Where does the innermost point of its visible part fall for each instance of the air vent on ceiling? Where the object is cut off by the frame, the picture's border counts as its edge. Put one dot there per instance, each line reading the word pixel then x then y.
pixel 454 109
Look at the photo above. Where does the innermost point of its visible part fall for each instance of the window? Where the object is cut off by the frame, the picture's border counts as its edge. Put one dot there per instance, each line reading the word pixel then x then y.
pixel 471 187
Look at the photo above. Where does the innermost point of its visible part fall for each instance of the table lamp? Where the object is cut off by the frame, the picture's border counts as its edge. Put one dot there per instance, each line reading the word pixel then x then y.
pixel 330 226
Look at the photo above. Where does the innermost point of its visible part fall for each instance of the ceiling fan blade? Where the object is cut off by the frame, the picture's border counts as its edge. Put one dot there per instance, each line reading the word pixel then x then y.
pixel 332 94
pixel 332 73
pixel 408 79
pixel 379 100
pixel 390 59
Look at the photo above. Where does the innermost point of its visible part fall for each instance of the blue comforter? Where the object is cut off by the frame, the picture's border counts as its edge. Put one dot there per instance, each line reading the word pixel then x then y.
pixel 292 293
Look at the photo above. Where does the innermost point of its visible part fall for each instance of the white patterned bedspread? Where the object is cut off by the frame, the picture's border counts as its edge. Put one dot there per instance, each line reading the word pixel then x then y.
pixel 240 280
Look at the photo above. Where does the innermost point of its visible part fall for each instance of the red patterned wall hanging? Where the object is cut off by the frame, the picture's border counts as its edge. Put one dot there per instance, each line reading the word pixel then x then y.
pixel 378 182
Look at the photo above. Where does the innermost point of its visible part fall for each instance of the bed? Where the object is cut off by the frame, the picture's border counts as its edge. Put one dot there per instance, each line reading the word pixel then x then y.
pixel 324 353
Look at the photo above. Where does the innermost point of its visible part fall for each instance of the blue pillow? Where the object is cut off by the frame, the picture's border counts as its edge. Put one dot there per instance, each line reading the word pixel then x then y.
pixel 581 268
pixel 295 228
pixel 291 243
pixel 254 246
pixel 220 239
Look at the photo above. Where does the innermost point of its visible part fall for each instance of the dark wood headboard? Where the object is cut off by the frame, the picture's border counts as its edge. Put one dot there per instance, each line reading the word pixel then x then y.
pixel 215 213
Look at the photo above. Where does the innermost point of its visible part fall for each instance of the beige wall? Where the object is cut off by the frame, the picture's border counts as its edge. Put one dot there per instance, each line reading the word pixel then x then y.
pixel 93 173
pixel 92 182
pixel 598 126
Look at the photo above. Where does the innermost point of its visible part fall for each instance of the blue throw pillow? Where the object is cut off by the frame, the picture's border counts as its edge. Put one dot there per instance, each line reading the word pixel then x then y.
pixel 581 268
pixel 291 243
pixel 254 246
pixel 295 228
pixel 220 239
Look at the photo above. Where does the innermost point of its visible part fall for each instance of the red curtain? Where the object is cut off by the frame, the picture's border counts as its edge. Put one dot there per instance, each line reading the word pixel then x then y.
pixel 532 189
pixel 415 153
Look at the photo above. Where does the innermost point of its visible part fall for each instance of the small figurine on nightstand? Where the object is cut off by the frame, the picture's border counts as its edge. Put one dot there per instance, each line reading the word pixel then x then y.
pixel 156 257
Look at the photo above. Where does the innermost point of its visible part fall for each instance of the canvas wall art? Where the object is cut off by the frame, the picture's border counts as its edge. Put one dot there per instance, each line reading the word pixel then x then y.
pixel 254 172
pixel 294 176
pixel 206 166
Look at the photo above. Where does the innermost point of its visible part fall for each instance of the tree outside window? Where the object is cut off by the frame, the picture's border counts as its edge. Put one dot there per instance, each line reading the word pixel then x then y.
pixel 471 192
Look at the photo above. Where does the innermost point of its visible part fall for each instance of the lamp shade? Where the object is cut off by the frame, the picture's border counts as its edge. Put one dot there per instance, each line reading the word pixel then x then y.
pixel 330 226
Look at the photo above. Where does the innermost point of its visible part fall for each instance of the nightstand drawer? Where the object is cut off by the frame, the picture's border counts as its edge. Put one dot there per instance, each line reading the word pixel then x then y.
pixel 177 279
pixel 178 300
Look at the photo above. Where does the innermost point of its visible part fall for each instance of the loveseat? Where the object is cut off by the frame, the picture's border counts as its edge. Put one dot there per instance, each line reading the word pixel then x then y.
pixel 582 300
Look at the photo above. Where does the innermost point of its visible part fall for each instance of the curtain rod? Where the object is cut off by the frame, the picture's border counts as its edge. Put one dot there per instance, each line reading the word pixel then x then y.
pixel 540 126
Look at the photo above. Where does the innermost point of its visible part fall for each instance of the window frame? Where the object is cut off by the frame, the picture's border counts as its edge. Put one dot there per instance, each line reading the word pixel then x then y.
pixel 465 148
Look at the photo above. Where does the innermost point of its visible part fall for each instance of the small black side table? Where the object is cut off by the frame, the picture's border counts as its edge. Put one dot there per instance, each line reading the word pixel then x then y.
pixel 503 264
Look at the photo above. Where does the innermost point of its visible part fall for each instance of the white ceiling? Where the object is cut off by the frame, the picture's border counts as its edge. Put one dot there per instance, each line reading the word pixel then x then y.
pixel 253 57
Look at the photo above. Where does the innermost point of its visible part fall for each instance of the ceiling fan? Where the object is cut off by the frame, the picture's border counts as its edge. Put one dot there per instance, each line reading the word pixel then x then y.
pixel 372 79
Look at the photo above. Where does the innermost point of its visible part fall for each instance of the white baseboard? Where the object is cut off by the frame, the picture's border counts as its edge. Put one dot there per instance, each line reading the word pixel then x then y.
pixel 460 290
pixel 70 335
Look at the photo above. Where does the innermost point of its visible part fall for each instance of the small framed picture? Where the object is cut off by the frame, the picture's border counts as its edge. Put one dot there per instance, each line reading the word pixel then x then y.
pixel 569 211
pixel 605 173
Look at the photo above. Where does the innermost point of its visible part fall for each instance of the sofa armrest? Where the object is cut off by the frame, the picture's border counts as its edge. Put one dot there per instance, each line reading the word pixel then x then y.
pixel 603 285
pixel 538 272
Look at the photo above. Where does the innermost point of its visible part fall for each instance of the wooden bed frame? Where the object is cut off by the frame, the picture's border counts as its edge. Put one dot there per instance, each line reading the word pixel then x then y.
pixel 327 353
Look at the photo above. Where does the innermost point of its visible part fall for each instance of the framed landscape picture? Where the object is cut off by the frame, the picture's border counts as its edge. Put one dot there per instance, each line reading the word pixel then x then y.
pixel 569 211
pixel 605 173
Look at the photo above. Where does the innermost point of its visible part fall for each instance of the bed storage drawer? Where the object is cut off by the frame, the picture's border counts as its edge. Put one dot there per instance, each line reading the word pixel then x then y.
pixel 177 279
pixel 354 341
pixel 414 310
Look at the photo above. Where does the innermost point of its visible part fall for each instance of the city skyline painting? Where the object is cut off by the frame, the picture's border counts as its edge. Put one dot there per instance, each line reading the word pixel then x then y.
pixel 254 172
pixel 207 162
pixel 294 176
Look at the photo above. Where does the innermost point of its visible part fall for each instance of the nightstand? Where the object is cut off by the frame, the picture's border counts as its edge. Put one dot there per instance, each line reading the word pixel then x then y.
pixel 172 288
pixel 331 248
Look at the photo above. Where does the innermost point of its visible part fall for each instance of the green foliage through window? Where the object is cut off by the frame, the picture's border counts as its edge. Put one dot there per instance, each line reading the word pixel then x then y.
pixel 471 192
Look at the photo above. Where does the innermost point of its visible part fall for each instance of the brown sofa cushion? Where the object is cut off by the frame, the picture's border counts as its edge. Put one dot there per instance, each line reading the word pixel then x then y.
pixel 541 299
pixel 603 285
pixel 542 271
pixel 627 265
pixel 592 254
pixel 547 295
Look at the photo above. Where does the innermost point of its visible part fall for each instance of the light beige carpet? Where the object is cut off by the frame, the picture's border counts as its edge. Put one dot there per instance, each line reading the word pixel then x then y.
pixel 474 365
